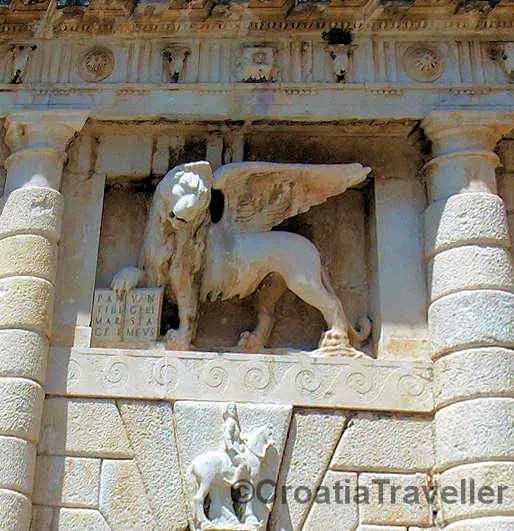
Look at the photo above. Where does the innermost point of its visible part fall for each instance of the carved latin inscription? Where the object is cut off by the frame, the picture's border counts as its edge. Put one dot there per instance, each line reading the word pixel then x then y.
pixel 134 318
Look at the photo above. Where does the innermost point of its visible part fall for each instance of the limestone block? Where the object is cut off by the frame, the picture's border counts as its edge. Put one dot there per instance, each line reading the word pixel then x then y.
pixel 17 464
pixel 88 428
pixel 488 523
pixel 32 211
pixel 23 354
pixel 42 518
pixel 123 500
pixel 26 302
pixel 367 527
pixel 67 481
pixel 313 436
pixel 78 250
pixel 14 511
pixel 80 519
pixel 21 405
pixel 125 155
pixel 151 433
pixel 490 502
pixel 479 429
pixel 471 318
pixel 474 372
pixel 471 267
pixel 323 516
pixel 393 508
pixel 395 443
pixel 470 218
pixel 27 254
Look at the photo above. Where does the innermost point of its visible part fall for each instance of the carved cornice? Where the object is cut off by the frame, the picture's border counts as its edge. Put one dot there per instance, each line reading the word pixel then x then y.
pixel 258 17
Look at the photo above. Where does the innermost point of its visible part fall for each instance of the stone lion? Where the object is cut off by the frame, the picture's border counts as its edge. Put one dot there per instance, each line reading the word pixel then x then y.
pixel 197 260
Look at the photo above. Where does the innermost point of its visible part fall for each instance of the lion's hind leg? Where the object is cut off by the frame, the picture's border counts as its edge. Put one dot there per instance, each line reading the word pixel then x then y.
pixel 270 291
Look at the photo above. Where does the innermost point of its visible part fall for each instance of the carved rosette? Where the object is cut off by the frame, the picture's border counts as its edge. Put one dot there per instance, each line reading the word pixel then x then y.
pixel 96 64
pixel 423 63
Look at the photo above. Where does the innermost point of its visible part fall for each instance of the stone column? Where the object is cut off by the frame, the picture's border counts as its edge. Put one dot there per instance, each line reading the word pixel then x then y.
pixel 470 315
pixel 29 236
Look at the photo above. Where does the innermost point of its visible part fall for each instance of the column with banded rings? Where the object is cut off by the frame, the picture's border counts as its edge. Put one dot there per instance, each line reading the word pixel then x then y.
pixel 470 318
pixel 30 227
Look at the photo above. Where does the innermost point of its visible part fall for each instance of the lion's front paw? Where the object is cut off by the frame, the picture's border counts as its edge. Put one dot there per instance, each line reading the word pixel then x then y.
pixel 125 280
pixel 250 342
pixel 177 340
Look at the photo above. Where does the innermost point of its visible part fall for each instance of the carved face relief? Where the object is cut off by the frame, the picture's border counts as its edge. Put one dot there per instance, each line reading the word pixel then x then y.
pixel 340 56
pixel 257 65
pixel 20 58
pixel 96 64
pixel 174 62
pixel 423 63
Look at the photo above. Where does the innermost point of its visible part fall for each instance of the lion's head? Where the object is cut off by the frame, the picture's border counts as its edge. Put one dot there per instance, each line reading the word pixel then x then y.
pixel 185 191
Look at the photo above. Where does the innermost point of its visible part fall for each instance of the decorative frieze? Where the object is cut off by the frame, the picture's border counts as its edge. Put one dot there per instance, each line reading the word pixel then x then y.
pixel 296 379
pixel 191 60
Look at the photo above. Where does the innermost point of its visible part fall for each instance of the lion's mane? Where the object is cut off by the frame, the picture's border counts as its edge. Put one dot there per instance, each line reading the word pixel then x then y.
pixel 173 251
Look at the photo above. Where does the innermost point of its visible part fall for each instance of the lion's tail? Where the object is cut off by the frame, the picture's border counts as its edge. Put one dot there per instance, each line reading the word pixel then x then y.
pixel 363 332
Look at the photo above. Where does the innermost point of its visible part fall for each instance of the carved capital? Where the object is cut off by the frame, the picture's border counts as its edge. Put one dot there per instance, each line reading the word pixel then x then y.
pixel 42 129
pixel 455 131
pixel 38 142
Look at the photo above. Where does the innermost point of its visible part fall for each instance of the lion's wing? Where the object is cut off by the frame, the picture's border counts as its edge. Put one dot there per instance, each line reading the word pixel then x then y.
pixel 260 195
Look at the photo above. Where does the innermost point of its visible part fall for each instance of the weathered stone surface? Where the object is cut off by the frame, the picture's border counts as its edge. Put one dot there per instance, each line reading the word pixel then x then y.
pixel 472 319
pixel 67 481
pixel 27 254
pixel 123 499
pixel 368 527
pixel 32 211
pixel 26 302
pixel 493 475
pixel 474 430
pixel 14 510
pixel 474 372
pixel 312 438
pixel 479 268
pixel 83 519
pixel 324 516
pixel 151 432
pixel 18 461
pixel 86 428
pixel 335 382
pixel 78 249
pixel 124 156
pixel 21 405
pixel 42 518
pixel 465 219
pixel 381 443
pixel 23 354
pixel 487 523
pixel 392 509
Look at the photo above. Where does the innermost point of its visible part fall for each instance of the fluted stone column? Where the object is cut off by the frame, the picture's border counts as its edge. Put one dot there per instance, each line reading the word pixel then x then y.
pixel 471 314
pixel 30 227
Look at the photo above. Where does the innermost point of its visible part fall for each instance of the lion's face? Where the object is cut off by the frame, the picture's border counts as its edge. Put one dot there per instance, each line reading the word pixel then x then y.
pixel 188 190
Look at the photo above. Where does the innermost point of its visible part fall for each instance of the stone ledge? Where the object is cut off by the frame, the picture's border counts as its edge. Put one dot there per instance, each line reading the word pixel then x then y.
pixel 298 379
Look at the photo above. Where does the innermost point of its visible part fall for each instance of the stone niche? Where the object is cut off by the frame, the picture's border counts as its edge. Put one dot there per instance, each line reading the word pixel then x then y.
pixel 339 228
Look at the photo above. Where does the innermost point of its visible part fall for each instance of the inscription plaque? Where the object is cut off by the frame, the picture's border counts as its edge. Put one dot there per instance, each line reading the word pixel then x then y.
pixel 134 319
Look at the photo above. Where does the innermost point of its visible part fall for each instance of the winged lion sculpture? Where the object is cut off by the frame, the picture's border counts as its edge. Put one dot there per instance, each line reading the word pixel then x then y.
pixel 198 260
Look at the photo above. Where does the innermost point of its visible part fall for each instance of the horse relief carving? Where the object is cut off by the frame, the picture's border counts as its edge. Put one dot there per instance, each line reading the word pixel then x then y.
pixel 197 260
pixel 213 476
